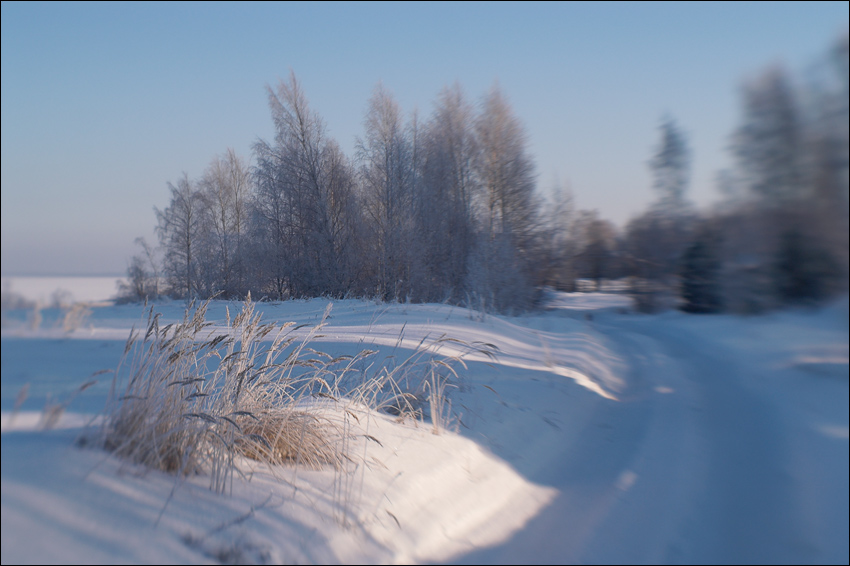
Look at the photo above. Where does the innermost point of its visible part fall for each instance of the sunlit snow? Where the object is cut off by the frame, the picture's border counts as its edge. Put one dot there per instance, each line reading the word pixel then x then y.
pixel 615 437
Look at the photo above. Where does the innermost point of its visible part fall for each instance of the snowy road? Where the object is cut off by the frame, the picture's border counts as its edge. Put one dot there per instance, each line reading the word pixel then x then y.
pixel 746 511
pixel 690 465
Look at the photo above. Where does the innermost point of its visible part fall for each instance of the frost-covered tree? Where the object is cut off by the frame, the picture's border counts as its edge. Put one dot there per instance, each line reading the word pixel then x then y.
pixel 304 198
pixel 226 187
pixel 445 187
pixel 181 230
pixel 271 225
pixel 387 182
pixel 346 230
pixel 507 206
pixel 505 171
pixel 444 191
pixel 142 281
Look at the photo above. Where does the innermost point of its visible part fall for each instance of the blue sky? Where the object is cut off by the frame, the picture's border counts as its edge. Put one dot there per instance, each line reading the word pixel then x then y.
pixel 103 104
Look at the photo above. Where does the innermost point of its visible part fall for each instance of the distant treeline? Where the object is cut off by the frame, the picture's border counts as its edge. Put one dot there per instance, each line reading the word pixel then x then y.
pixel 447 208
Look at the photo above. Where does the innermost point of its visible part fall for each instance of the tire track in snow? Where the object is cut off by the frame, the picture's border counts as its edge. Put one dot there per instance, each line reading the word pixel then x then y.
pixel 745 512
pixel 687 467
pixel 594 477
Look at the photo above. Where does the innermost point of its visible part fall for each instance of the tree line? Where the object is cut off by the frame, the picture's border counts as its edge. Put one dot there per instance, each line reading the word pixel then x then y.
pixel 441 209
pixel 447 208
pixel 780 235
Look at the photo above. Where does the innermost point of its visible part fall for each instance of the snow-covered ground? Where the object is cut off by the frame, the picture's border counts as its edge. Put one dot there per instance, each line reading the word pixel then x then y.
pixel 50 290
pixel 597 435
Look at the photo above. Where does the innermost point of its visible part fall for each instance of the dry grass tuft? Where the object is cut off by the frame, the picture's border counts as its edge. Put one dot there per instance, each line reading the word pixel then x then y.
pixel 189 399
pixel 292 437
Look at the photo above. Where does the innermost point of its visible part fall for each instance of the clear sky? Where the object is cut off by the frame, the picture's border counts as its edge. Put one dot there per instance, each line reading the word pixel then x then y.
pixel 103 104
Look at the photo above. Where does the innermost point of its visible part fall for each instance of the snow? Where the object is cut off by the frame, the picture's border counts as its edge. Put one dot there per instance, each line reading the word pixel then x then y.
pixel 596 435
pixel 45 289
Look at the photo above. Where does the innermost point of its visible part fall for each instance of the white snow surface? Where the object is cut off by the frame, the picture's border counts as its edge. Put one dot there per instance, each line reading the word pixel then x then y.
pixel 44 290
pixel 597 435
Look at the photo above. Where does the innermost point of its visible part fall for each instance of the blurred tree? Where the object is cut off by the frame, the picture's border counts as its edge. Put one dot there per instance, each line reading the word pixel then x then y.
pixel 596 241
pixel 791 150
pixel 700 285
pixel 671 168
pixel 767 145
pixel 558 230
pixel 142 275
pixel 804 273
pixel 653 242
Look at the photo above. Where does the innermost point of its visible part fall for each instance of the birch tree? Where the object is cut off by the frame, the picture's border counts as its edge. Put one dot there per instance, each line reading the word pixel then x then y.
pixel 225 186
pixel 387 173
pixel 505 170
pixel 300 194
pixel 180 228
pixel 507 208
pixel 444 204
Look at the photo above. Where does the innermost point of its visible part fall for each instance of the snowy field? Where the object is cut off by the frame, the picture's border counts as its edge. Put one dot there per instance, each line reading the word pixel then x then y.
pixel 597 435
pixel 46 290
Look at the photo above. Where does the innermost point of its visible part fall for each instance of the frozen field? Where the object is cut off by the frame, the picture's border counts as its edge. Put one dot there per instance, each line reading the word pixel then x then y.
pixel 597 435
pixel 45 290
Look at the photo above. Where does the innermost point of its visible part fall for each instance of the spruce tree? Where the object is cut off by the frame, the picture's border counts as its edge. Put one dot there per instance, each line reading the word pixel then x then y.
pixel 700 266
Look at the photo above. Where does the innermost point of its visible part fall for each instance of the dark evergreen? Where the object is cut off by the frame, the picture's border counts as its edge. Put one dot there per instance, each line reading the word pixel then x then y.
pixel 700 288
pixel 803 272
